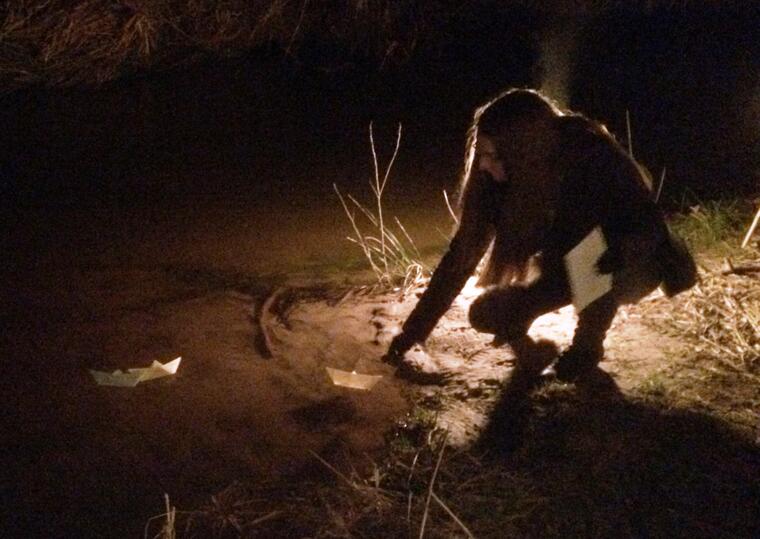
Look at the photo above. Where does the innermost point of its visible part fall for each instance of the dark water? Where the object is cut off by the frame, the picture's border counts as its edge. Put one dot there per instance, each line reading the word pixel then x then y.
pixel 245 127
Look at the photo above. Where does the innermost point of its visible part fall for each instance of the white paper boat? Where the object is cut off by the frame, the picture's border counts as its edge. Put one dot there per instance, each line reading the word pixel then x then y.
pixel 132 377
pixel 116 378
pixel 353 379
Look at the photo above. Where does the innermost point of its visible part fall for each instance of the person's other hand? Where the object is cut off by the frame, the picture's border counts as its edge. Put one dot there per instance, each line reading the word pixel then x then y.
pixel 399 346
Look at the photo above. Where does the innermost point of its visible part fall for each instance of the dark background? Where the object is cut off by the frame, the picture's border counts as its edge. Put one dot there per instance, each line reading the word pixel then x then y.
pixel 689 76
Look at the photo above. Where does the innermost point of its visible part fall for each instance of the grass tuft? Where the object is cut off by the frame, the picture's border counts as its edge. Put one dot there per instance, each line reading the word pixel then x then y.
pixel 393 257
pixel 720 316
pixel 714 225
pixel 168 526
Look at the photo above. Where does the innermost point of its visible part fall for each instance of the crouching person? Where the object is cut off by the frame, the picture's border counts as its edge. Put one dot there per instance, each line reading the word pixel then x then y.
pixel 536 182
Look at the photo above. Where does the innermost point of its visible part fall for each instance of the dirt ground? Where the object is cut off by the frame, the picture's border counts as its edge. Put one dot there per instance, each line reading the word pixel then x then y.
pixel 106 289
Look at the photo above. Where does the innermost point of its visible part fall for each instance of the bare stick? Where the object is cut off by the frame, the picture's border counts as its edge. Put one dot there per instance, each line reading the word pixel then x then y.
pixel 379 186
pixel 628 128
pixel 374 159
pixel 393 157
pixel 741 270
pixel 430 490
pixel 453 516
pixel 752 228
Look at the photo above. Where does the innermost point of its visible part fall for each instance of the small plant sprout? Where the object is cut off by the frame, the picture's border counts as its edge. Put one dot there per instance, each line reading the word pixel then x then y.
pixel 168 527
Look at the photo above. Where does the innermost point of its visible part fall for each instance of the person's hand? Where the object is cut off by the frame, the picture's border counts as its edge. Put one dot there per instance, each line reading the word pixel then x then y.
pixel 414 375
pixel 399 346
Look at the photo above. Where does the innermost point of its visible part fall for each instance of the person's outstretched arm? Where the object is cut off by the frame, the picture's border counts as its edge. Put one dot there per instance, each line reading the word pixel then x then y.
pixel 470 242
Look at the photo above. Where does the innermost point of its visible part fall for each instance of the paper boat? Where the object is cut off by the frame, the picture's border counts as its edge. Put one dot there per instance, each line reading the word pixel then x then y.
pixel 353 379
pixel 132 377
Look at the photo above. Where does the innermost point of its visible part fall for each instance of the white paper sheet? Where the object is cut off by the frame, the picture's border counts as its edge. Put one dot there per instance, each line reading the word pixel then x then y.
pixel 586 283
pixel 132 377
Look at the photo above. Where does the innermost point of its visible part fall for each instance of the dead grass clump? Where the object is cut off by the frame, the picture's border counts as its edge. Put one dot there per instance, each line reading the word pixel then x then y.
pixel 236 511
pixel 88 42
pixel 721 315
pixel 393 257
pixel 93 41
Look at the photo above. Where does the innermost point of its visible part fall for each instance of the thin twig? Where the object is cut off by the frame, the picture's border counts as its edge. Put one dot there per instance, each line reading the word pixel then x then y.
pixel 430 489
pixel 659 187
pixel 334 470
pixel 408 238
pixel 751 230
pixel 378 190
pixel 379 186
pixel 745 269
pixel 453 516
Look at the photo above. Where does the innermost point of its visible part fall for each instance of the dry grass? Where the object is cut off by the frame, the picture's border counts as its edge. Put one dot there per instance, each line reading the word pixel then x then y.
pixel 59 42
pixel 393 257
pixel 62 42
pixel 720 316
pixel 168 525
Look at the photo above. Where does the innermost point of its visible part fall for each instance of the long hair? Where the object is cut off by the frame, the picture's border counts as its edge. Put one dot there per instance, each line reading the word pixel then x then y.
pixel 508 257
pixel 494 117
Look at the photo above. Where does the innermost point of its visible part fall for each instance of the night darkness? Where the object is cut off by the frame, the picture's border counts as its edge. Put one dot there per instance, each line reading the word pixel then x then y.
pixel 157 191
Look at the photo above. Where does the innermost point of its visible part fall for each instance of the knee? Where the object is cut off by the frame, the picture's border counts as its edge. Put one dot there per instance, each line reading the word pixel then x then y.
pixel 482 315
pixel 499 311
